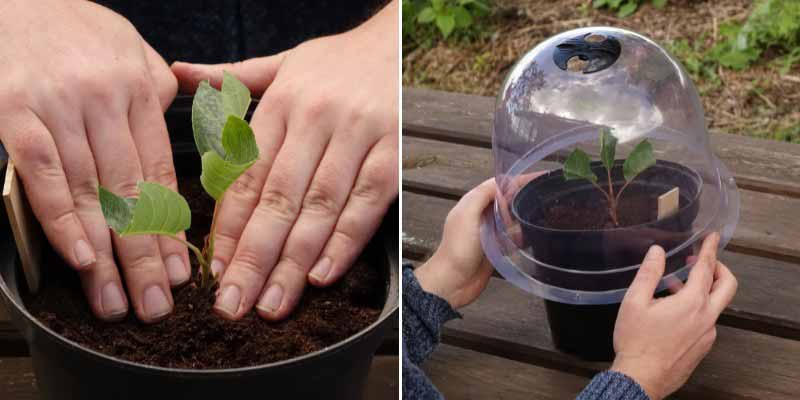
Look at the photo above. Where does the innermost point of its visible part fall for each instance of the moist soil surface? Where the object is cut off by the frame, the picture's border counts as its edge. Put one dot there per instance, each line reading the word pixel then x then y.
pixel 588 209
pixel 193 336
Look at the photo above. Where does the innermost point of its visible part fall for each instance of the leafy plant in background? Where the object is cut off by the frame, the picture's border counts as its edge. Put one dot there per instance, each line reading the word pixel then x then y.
pixel 425 19
pixel 579 166
pixel 625 7
pixel 772 23
pixel 228 148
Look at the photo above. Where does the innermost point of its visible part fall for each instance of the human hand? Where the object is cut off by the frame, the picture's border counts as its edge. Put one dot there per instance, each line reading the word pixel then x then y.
pixel 458 271
pixel 83 105
pixel 327 131
pixel 659 342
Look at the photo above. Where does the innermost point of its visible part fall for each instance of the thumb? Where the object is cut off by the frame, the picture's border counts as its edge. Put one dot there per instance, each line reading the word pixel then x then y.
pixel 256 73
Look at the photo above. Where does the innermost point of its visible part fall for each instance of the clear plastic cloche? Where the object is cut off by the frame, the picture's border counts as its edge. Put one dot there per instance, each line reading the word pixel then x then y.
pixel 557 232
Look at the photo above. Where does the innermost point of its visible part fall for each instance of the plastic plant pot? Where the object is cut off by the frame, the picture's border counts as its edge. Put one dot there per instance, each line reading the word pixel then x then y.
pixel 587 330
pixel 552 236
pixel 67 370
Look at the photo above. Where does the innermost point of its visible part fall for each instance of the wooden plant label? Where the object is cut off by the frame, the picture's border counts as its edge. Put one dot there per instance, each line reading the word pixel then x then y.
pixel 668 203
pixel 27 232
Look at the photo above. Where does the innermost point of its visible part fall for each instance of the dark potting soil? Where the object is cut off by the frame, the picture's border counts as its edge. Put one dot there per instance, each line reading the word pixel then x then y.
pixel 588 209
pixel 193 336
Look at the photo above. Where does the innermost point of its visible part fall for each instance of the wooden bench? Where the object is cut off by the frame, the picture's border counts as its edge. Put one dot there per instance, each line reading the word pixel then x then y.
pixel 502 347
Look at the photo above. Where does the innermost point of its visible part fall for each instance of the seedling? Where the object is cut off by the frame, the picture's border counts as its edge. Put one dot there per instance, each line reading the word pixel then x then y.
pixel 578 166
pixel 228 148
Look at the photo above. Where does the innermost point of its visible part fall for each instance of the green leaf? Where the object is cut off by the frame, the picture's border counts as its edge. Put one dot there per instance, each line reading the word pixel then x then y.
pixel 427 15
pixel 640 159
pixel 462 17
pixel 438 5
pixel 578 166
pixel 235 96
pixel 158 211
pixel 211 109
pixel 627 9
pixel 446 23
pixel 659 3
pixel 241 152
pixel 608 148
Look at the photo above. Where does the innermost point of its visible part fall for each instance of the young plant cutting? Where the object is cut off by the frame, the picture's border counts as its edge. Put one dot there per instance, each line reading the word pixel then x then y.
pixel 578 166
pixel 228 148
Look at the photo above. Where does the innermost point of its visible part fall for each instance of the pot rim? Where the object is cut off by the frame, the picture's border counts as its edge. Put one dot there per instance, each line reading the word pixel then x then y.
pixel 254 369
pixel 659 163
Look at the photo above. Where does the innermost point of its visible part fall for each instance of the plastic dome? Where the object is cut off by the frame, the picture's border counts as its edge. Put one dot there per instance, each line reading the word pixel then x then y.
pixel 557 237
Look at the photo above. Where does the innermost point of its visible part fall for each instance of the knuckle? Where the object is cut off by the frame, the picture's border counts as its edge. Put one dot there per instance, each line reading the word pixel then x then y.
pixel 320 199
pixel 290 263
pixel 84 192
pixel 249 262
pixel 163 172
pixel 371 185
pixel 279 204
pixel 315 109
pixel 143 263
pixel 344 237
pixel 126 189
pixel 247 185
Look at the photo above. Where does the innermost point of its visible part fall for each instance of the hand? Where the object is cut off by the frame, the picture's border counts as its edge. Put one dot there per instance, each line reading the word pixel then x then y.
pixel 458 271
pixel 327 131
pixel 659 342
pixel 83 105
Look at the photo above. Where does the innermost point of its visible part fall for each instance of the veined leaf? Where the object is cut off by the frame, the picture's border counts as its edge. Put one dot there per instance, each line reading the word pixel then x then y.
pixel 446 23
pixel 158 210
pixel 211 109
pixel 608 148
pixel 578 166
pixel 427 15
pixel 241 151
pixel 640 159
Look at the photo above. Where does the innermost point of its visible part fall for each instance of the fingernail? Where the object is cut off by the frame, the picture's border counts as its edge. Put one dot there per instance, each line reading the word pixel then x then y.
pixel 156 304
pixel 84 253
pixel 271 300
pixel 654 252
pixel 321 270
pixel 217 267
pixel 176 270
pixel 228 300
pixel 112 301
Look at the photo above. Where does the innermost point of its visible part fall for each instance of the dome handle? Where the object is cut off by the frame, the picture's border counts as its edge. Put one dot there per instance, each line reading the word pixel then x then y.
pixel 587 53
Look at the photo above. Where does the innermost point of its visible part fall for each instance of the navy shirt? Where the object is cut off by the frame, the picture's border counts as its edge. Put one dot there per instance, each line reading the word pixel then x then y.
pixel 215 31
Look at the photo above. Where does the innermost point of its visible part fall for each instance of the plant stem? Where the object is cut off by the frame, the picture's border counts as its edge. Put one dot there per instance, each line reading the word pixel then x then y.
pixel 197 252
pixel 612 205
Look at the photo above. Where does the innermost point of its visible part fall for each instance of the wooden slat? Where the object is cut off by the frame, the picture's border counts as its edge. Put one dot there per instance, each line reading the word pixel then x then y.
pixel 766 227
pixel 18 382
pixel 767 288
pixel 759 165
pixel 465 374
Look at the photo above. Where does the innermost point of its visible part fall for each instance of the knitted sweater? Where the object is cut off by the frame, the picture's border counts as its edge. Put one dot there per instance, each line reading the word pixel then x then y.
pixel 423 316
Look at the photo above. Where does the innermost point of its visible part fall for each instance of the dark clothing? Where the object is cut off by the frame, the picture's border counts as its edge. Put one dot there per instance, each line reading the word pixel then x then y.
pixel 215 31
pixel 423 316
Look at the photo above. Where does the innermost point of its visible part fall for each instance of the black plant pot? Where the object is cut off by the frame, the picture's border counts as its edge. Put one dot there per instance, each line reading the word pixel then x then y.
pixel 67 370
pixel 600 259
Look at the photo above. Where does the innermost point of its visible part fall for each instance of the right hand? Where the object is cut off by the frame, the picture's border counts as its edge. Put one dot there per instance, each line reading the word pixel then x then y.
pixel 458 271
pixel 659 342
pixel 82 104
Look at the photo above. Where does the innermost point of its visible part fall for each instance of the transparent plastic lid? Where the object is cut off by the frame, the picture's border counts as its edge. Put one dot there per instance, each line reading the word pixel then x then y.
pixel 601 150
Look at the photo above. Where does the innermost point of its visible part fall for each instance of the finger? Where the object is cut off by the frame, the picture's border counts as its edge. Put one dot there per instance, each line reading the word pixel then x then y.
pixel 723 289
pixel 373 192
pixel 163 79
pixel 646 280
pixel 31 147
pixel 702 274
pixel 256 73
pixel 101 283
pixel 242 196
pixel 322 204
pixel 155 154
pixel 476 200
pixel 274 215
pixel 119 170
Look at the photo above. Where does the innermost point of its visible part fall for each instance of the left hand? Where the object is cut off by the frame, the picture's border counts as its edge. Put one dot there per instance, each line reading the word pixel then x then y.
pixel 327 131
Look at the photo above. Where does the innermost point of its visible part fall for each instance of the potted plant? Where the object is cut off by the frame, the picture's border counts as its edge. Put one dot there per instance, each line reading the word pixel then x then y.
pixel 596 220
pixel 323 350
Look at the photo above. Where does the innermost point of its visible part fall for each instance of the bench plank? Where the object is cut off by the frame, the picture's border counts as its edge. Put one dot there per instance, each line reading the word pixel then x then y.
pixel 465 374
pixel 766 286
pixel 766 226
pixel 757 164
